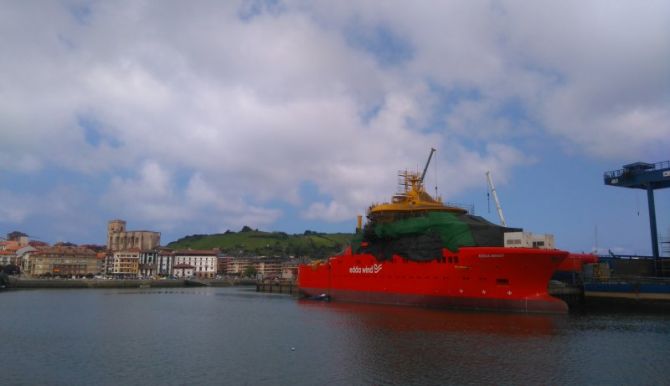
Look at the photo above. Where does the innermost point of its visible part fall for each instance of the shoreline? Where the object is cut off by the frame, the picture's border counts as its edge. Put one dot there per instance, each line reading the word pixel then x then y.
pixel 16 283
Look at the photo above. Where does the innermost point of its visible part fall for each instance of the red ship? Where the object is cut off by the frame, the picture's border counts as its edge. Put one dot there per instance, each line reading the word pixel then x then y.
pixel 416 250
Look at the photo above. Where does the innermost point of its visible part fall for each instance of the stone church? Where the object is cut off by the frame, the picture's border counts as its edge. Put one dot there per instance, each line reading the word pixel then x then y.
pixel 119 239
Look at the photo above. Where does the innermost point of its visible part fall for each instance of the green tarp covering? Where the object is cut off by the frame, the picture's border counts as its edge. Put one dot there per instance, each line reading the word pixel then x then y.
pixel 422 237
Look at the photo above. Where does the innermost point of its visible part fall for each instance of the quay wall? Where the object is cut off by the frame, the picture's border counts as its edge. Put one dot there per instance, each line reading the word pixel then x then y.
pixel 92 283
pixel 290 288
pixel 121 283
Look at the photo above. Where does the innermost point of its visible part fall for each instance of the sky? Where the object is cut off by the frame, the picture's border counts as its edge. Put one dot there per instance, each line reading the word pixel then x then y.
pixel 203 116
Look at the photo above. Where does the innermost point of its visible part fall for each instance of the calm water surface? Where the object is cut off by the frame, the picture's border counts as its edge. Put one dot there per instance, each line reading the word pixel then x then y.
pixel 237 336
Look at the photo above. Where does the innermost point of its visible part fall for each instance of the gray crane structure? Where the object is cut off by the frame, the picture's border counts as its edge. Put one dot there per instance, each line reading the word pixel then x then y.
pixel 646 176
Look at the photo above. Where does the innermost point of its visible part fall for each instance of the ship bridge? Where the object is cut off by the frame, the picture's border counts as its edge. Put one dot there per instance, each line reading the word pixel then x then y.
pixel 642 175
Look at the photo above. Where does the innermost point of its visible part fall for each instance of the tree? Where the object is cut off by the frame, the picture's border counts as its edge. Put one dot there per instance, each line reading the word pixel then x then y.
pixel 64 244
pixel 319 253
pixel 12 269
pixel 250 271
pixel 16 235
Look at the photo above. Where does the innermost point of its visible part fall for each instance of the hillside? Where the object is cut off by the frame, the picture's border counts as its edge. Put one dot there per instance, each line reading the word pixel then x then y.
pixel 258 243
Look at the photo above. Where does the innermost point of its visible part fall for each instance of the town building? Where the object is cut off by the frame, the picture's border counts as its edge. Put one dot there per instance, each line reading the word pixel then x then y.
pixel 262 267
pixel 239 266
pixel 126 264
pixel 289 271
pixel 60 261
pixel 100 260
pixel 108 263
pixel 268 268
pixel 164 262
pixel 119 239
pixel 222 263
pixel 7 258
pixel 147 263
pixel 9 251
pixel 204 263
pixel 14 243
pixel 22 252
pixel 182 271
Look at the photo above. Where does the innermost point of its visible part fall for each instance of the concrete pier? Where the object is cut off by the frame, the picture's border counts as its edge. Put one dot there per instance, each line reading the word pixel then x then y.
pixel 287 287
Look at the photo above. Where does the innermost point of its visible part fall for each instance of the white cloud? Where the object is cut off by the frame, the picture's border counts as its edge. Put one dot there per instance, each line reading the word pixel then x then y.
pixel 247 109
pixel 612 61
pixel 331 211
pixel 150 196
pixel 229 211
pixel 467 168
pixel 596 74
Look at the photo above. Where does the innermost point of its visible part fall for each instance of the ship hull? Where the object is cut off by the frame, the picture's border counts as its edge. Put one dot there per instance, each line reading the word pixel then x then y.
pixel 477 278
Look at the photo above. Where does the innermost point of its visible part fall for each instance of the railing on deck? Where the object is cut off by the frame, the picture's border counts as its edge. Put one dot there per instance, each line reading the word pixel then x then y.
pixel 620 172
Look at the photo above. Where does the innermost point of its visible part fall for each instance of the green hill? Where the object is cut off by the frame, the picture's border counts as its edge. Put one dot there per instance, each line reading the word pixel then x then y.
pixel 258 243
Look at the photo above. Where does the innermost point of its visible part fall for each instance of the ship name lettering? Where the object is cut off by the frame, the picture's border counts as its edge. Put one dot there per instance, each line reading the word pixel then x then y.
pixel 491 255
pixel 375 268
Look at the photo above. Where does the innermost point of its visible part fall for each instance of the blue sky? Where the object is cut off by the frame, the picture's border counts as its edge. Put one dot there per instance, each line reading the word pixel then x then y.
pixel 292 115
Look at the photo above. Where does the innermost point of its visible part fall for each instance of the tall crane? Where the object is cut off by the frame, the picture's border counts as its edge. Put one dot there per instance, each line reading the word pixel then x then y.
pixel 425 169
pixel 495 198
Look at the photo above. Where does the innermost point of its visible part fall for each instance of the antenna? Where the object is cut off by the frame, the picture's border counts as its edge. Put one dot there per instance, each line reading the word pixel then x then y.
pixel 495 198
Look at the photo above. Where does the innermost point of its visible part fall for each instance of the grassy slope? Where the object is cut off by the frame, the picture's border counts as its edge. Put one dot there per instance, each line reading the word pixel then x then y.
pixel 267 243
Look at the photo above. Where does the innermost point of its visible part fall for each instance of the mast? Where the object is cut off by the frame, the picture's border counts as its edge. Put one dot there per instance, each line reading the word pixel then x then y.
pixel 495 198
pixel 425 169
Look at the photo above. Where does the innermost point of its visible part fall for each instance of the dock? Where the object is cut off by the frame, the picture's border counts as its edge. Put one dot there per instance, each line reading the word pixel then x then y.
pixel 572 294
pixel 616 283
pixel 280 287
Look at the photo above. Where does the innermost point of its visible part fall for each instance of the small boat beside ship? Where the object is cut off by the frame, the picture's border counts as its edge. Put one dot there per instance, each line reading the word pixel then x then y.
pixel 416 250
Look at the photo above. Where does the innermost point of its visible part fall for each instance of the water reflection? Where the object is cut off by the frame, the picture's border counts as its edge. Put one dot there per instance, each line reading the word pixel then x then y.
pixel 406 345
pixel 407 319
pixel 238 336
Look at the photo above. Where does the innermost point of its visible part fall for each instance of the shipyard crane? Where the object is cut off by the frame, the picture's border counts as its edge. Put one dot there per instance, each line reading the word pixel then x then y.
pixel 495 198
pixel 646 176
pixel 425 169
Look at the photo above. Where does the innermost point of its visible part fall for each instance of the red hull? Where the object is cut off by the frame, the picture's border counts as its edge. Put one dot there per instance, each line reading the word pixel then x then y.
pixel 491 278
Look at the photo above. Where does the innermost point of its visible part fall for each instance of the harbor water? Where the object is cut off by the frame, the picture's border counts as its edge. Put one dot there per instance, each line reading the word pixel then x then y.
pixel 216 336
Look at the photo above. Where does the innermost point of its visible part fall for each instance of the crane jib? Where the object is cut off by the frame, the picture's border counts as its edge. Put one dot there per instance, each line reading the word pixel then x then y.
pixel 425 169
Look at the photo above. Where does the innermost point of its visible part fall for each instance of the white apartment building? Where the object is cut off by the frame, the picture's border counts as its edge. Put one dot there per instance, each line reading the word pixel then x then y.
pixel 204 263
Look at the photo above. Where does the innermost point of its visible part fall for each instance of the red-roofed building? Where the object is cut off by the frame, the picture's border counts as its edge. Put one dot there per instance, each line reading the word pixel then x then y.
pixel 60 261
pixel 7 257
